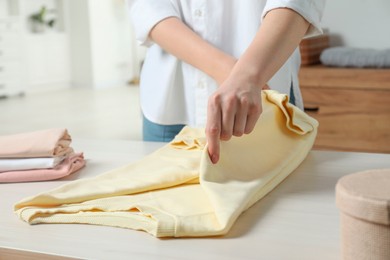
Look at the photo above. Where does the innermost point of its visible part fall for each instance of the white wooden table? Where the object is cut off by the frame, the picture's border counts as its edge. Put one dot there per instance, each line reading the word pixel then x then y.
pixel 298 220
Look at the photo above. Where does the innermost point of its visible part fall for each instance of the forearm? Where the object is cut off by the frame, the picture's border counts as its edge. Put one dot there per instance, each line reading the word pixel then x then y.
pixel 235 107
pixel 278 37
pixel 179 40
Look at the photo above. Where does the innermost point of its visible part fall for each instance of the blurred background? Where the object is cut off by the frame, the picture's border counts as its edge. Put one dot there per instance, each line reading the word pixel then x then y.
pixel 75 63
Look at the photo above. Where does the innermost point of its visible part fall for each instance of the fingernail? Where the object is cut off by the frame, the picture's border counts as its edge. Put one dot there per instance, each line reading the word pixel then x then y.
pixel 214 159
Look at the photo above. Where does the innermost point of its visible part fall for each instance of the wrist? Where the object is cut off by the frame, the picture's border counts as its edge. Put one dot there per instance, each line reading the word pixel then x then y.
pixel 223 68
pixel 248 73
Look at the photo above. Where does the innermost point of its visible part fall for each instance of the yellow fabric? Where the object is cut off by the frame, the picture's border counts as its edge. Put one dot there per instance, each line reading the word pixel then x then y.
pixel 177 191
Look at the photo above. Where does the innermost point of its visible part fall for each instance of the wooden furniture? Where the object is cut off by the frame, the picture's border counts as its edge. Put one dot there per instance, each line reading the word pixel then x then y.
pixel 351 105
pixel 311 48
pixel 297 220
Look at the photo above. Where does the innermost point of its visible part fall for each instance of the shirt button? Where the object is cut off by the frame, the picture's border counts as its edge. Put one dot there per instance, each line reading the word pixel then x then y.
pixel 198 13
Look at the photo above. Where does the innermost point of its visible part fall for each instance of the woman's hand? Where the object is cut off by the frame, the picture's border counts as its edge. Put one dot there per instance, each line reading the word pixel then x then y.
pixel 233 110
pixel 235 107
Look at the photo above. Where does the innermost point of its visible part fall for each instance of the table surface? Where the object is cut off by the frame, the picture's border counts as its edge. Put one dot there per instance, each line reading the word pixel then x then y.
pixel 297 220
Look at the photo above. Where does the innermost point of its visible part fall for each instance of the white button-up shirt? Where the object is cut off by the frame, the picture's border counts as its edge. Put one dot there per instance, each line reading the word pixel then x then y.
pixel 174 92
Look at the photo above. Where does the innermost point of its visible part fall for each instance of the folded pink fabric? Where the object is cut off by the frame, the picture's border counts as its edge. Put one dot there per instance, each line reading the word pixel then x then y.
pixel 70 165
pixel 44 143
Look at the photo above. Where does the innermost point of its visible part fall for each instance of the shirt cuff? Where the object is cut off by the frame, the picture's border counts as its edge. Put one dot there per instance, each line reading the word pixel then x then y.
pixel 310 10
pixel 146 14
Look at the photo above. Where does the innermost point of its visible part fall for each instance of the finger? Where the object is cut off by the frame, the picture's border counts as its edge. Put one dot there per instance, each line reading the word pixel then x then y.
pixel 213 129
pixel 241 118
pixel 253 115
pixel 265 87
pixel 228 114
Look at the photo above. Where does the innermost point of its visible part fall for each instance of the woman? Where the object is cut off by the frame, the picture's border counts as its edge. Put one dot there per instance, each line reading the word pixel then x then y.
pixel 209 59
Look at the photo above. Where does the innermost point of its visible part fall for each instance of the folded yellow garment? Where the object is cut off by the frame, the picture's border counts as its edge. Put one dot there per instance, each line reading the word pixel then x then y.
pixel 44 143
pixel 177 191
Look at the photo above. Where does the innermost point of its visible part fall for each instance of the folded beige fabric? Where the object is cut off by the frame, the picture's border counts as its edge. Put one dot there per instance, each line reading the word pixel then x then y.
pixel 177 191
pixel 44 143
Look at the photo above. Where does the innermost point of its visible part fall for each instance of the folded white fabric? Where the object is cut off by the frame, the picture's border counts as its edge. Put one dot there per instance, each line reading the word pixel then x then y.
pixel 177 191
pixel 19 164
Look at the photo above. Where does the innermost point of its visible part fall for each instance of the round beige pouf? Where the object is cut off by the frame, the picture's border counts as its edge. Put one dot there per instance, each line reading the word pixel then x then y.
pixel 364 202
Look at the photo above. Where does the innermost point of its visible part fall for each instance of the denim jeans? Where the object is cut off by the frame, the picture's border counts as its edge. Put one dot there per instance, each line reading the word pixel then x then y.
pixel 153 132
pixel 292 97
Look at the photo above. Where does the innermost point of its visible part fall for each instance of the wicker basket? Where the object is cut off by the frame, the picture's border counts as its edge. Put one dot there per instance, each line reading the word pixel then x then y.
pixel 364 201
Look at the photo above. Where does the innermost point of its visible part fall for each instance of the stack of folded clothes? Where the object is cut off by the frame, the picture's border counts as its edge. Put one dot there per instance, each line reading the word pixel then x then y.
pixel 38 156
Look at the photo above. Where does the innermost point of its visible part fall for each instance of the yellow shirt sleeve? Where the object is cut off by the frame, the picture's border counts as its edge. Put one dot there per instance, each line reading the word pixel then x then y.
pixel 176 191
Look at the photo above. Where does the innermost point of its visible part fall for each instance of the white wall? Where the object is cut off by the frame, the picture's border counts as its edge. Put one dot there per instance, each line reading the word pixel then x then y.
pixel 3 8
pixel 80 41
pixel 358 23
pixel 101 43
pixel 111 42
pixel 47 54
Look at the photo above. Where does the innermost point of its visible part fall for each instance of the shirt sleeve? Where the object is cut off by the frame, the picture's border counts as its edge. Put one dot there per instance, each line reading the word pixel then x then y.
pixel 311 10
pixel 145 14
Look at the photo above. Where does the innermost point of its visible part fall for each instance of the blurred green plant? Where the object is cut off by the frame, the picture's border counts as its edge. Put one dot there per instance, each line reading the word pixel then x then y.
pixel 39 17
